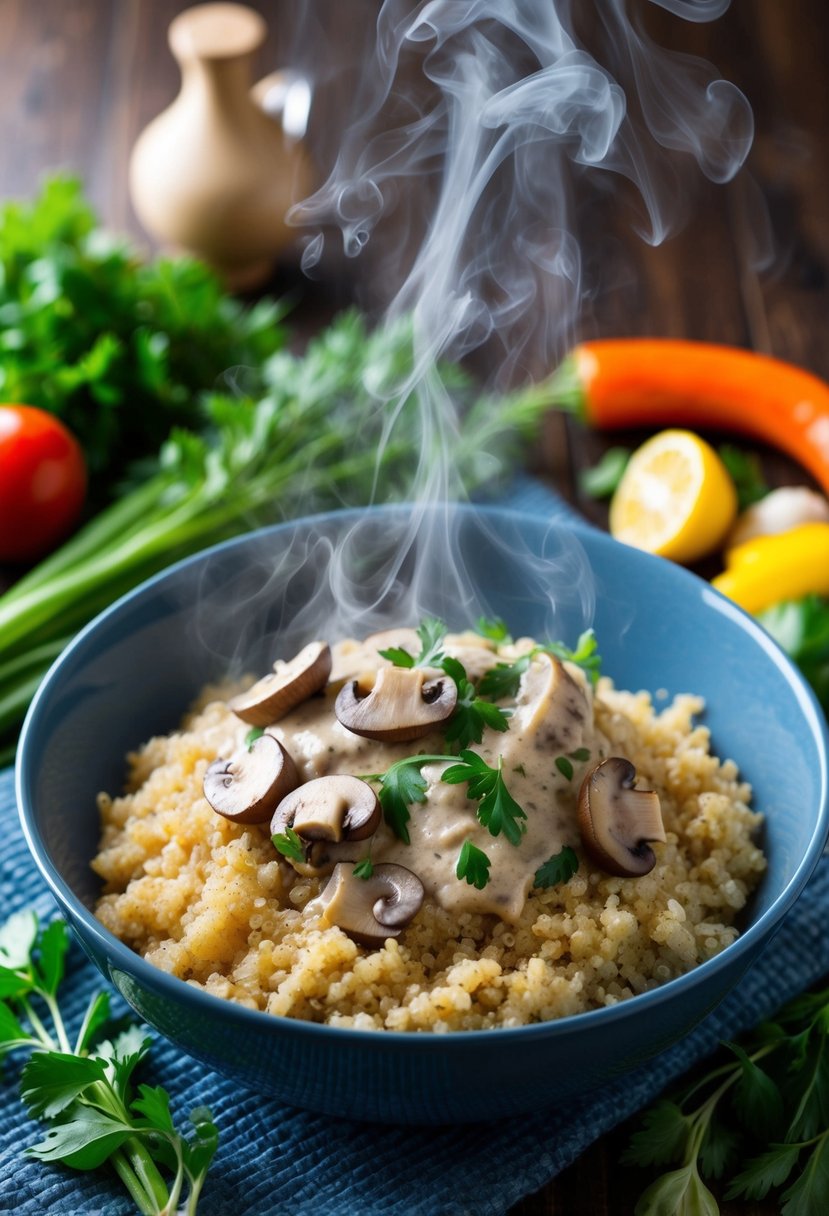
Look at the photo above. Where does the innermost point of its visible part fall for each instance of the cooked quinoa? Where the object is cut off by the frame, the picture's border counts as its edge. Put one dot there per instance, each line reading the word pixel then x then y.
pixel 211 902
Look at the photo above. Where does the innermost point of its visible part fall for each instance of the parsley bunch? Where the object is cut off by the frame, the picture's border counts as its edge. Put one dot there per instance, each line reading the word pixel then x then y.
pixel 83 1087
pixel 761 1119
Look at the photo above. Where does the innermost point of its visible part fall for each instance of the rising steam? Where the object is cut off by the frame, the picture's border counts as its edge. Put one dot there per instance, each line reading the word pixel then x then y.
pixel 479 125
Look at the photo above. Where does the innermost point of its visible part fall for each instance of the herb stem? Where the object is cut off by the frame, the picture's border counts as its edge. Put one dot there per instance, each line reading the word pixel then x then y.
pixel 40 1030
pixel 63 1038
pixel 127 1174
pixel 146 1171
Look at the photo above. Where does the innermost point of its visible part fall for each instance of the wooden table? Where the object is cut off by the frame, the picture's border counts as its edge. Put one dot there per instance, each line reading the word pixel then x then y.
pixel 80 78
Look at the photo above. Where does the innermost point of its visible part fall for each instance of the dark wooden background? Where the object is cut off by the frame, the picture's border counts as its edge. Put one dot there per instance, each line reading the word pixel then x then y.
pixel 80 78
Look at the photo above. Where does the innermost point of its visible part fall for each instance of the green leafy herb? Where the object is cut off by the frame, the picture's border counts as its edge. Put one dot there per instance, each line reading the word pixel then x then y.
pixel 255 732
pixel 760 1117
pixel 473 865
pixel 503 680
pixel 581 754
pixel 746 472
pixel 497 809
pixel 403 784
pixel 472 714
pixel 565 767
pixel 364 868
pixel 117 347
pixel 495 630
pixel 557 869
pixel 289 845
pixel 602 480
pixel 431 633
pixel 585 654
pixel 802 628
pixel 84 1092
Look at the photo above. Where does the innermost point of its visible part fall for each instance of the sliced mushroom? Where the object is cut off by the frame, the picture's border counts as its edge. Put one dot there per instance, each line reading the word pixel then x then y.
pixel 249 786
pixel 371 909
pixel 288 685
pixel 404 703
pixel 617 821
pixel 334 808
pixel 551 705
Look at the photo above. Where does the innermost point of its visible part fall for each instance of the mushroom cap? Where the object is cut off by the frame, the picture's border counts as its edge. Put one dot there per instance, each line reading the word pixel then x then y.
pixel 371 909
pixel 247 787
pixel 551 705
pixel 288 685
pixel 617 821
pixel 404 703
pixel 336 807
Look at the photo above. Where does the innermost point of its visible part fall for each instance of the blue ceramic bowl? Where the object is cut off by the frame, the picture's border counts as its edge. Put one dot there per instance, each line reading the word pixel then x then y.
pixel 134 670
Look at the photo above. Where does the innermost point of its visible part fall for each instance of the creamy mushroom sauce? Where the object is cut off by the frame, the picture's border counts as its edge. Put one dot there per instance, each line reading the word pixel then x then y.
pixel 552 717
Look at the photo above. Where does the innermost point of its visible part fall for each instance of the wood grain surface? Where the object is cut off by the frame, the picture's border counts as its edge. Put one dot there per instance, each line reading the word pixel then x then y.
pixel 80 78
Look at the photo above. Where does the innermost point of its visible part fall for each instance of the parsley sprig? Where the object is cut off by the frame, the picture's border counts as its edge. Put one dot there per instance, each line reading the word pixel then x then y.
pixel 503 679
pixel 83 1088
pixel 473 865
pixel 557 869
pixel 403 784
pixel 431 633
pixel 758 1119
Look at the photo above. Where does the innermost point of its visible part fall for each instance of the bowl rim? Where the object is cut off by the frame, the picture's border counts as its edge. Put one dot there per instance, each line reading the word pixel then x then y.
pixel 121 958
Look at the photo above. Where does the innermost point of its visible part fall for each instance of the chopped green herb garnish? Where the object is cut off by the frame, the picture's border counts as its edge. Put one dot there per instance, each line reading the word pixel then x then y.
pixel 503 679
pixel 364 868
pixel 564 767
pixel 472 713
pixel 255 732
pixel 497 810
pixel 557 869
pixel 473 865
pixel 289 845
pixel 400 786
pixel 83 1090
pixel 431 633
pixel 603 479
pixel 519 768
pixel 581 754
pixel 495 630
pixel 585 654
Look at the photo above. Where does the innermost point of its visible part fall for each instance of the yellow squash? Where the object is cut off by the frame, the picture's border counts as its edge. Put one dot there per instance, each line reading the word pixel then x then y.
pixel 769 569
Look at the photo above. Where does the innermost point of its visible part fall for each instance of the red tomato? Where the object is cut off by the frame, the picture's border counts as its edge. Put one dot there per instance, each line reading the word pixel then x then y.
pixel 42 482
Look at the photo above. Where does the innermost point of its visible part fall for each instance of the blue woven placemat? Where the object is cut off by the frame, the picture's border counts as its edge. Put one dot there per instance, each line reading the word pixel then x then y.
pixel 277 1161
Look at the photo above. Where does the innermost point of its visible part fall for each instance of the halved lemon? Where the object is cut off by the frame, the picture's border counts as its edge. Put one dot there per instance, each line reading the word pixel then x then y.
pixel 675 498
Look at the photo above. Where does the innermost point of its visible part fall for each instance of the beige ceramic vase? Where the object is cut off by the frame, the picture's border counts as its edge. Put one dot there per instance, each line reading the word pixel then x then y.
pixel 215 173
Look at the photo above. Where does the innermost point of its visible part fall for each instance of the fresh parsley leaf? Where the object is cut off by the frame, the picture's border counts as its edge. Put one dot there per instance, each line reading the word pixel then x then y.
pixel 757 1099
pixel 565 767
pixel 557 869
pixel 581 754
pixel 17 939
pixel 680 1193
pixel 364 868
pixel 807 1194
pixel 199 1152
pixel 494 629
pixel 585 654
pixel 52 1080
pixel 11 1031
pixel 255 732
pixel 746 472
pixel 431 633
pixel 400 786
pixel 472 714
pixel 85 1138
pixel 473 865
pixel 761 1173
pixel 13 983
pixel 801 627
pixel 603 478
pixel 498 811
pixel 54 942
pixel 289 845
pixel 663 1136
pixel 154 1105
pixel 503 679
